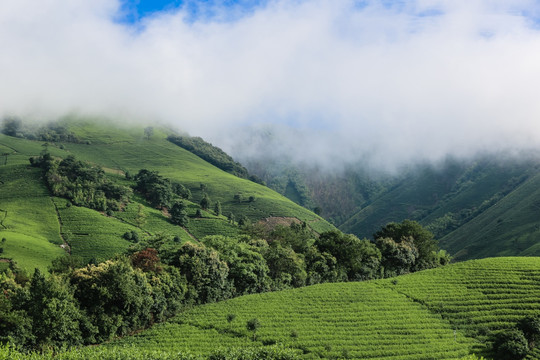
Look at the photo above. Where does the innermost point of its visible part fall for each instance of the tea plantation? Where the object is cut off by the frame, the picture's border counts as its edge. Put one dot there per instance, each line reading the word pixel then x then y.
pixel 443 313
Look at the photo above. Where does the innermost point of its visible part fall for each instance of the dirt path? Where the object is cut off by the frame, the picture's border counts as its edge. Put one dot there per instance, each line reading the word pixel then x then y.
pixel 3 219
pixel 65 244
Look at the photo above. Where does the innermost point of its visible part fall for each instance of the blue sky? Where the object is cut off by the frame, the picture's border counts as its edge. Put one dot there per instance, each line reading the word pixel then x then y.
pixel 135 10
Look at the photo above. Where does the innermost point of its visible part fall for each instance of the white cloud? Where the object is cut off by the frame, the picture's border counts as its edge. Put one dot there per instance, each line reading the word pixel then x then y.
pixel 420 79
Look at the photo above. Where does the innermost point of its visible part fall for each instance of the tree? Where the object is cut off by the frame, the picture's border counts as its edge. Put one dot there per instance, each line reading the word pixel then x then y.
pixel 147 260
pixel 11 126
pixel 140 219
pixel 56 317
pixel 510 345
pixel 148 132
pixel 65 264
pixel 287 268
pixel 244 220
pixel 217 208
pixel 116 297
pixel 205 272
pixel 181 191
pixel 358 259
pixel 248 271
pixel 253 325
pixel 397 258
pixel 179 214
pixel 422 238
pixel 531 329
pixel 205 202
pixel 154 187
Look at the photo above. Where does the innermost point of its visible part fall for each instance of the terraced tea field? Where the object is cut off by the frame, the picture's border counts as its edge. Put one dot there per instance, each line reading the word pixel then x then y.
pixel 27 218
pixel 357 320
pixel 445 313
pixel 477 296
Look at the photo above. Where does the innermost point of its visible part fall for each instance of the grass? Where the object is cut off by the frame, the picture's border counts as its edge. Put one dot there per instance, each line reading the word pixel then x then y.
pixel 444 313
pixel 126 149
pixel 510 227
pixel 90 233
pixel 32 214
pixel 28 219
pixel 429 193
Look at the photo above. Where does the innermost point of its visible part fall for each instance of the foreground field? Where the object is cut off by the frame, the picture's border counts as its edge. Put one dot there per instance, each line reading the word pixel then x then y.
pixel 444 313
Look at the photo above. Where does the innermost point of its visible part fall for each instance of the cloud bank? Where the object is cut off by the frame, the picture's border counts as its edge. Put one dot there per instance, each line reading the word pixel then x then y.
pixel 391 81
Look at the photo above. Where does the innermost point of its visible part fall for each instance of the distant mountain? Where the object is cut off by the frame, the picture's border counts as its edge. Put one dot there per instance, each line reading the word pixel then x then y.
pixel 460 201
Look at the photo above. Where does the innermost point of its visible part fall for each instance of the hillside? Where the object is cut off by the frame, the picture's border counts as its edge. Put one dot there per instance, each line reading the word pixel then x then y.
pixel 509 227
pixel 456 199
pixel 32 219
pixel 443 313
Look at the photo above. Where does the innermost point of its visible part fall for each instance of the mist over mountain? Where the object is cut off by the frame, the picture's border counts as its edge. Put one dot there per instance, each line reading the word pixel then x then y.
pixel 391 82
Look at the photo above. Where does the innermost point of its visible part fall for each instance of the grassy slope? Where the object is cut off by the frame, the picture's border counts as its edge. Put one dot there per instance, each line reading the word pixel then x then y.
pixel 409 317
pixel 127 150
pixel 430 194
pixel 29 222
pixel 33 222
pixel 510 227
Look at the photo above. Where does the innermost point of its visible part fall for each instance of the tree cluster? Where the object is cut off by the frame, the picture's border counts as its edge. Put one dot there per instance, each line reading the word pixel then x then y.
pixel 53 131
pixel 213 155
pixel 159 191
pixel 88 305
pixel 82 183
pixel 518 342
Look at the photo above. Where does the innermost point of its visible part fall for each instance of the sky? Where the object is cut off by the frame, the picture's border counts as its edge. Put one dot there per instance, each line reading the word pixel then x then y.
pixel 321 80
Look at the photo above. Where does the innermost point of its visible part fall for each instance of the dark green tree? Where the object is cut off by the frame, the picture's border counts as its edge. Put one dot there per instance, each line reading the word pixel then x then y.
pixel 205 202
pixel 56 318
pixel 178 214
pixel 116 297
pixel 12 126
pixel 422 239
pixel 217 208
pixel 510 345
pixel 248 271
pixel 287 268
pixel 397 258
pixel 358 259
pixel 531 329
pixel 206 273
pixel 253 325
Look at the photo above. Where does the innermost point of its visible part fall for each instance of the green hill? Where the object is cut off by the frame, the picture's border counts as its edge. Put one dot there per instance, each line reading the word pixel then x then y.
pixel 31 219
pixel 511 226
pixel 443 313
pixel 477 208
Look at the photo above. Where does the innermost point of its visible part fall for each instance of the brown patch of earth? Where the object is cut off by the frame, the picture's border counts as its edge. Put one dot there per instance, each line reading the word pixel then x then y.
pixel 272 222
pixel 113 171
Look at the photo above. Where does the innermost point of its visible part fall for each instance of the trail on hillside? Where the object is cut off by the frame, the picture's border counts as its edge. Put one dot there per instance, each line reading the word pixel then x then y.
pixel 3 218
pixel 65 244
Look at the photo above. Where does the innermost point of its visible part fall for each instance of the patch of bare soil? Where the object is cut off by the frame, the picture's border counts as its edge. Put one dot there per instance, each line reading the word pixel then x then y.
pixel 271 222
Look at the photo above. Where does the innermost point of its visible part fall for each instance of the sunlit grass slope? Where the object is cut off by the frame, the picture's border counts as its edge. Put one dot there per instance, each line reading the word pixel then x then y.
pixel 127 149
pixel 444 313
pixel 33 227
pixel 28 220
